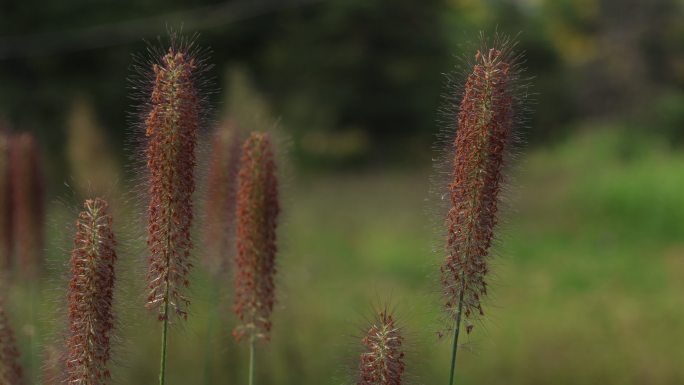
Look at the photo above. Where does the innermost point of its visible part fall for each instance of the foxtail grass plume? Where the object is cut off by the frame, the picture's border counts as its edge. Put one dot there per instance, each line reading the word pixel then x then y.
pixel 28 214
pixel 382 361
pixel 171 129
pixel 257 210
pixel 10 370
pixel 484 131
pixel 174 111
pixel 485 123
pixel 5 206
pixel 90 295
pixel 220 205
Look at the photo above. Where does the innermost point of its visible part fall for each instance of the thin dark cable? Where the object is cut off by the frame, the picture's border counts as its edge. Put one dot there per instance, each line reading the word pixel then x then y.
pixel 107 35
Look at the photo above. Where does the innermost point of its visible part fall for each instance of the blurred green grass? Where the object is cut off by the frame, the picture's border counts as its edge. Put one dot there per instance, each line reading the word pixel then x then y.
pixel 587 289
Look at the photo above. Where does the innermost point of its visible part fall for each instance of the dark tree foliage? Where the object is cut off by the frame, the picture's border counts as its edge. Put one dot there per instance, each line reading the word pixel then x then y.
pixel 374 66
pixel 331 67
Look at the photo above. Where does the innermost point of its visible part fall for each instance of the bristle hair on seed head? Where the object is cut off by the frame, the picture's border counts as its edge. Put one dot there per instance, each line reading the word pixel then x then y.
pixel 175 113
pixel 90 296
pixel 382 360
pixel 142 81
pixel 54 365
pixel 10 371
pixel 257 211
pixel 485 118
pixel 28 213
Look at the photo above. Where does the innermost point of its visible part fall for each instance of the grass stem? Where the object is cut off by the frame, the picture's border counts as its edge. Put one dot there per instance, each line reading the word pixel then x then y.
pixel 213 315
pixel 454 348
pixel 251 360
pixel 165 328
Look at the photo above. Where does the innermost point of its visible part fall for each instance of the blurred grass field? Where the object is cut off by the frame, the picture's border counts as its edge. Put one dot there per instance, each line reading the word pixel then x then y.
pixel 587 285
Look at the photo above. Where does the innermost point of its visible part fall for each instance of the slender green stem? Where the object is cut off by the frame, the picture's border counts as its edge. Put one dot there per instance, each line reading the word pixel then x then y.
pixel 34 330
pixel 214 314
pixel 167 292
pixel 454 348
pixel 251 361
pixel 165 328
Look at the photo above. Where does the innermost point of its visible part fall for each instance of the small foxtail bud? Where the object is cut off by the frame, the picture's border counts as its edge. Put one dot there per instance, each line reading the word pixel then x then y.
pixel 382 361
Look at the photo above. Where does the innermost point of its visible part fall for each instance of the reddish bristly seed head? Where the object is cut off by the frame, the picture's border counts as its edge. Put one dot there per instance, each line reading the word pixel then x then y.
pixel 382 361
pixel 10 371
pixel 90 296
pixel 28 214
pixel 220 205
pixel 171 129
pixel 257 211
pixel 5 206
pixel 484 128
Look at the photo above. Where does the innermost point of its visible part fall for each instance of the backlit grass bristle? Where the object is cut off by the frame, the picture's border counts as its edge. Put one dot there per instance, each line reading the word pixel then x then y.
pixel 28 214
pixel 90 296
pixel 257 211
pixel 220 206
pixel 54 366
pixel 382 361
pixel 171 129
pixel 485 121
pixel 10 370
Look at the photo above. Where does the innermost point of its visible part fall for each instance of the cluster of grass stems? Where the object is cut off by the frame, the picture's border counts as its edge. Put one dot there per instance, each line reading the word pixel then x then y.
pixel 242 215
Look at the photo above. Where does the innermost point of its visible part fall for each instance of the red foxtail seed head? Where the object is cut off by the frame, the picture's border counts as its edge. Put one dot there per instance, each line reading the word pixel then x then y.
pixel 5 206
pixel 257 211
pixel 485 121
pixel 382 361
pixel 28 203
pixel 221 197
pixel 171 130
pixel 10 371
pixel 90 296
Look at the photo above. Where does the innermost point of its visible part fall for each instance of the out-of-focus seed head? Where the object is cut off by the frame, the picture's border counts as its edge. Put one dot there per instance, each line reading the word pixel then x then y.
pixel 382 361
pixel 94 168
pixel 171 129
pixel 485 121
pixel 257 210
pixel 90 295
pixel 220 206
pixel 28 214
pixel 5 206
pixel 10 371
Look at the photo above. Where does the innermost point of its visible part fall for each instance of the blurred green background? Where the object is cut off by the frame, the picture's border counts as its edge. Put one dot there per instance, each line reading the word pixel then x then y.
pixel 589 271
